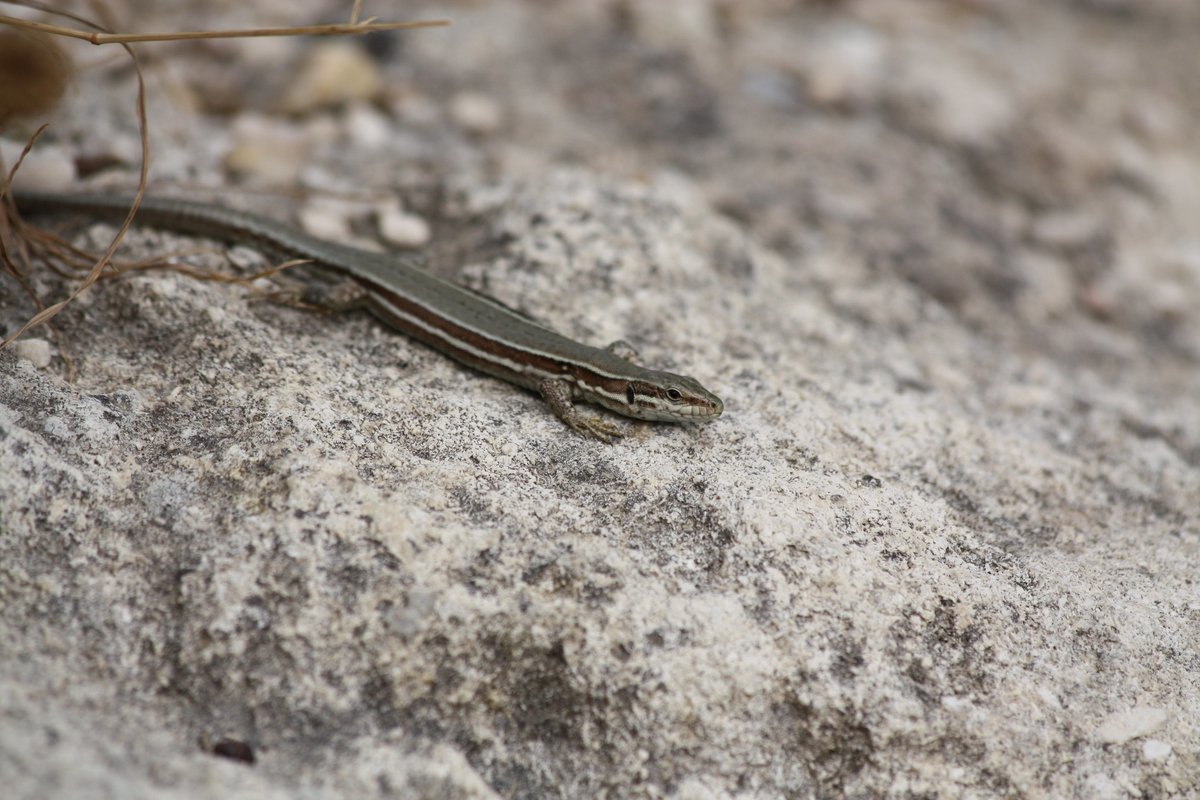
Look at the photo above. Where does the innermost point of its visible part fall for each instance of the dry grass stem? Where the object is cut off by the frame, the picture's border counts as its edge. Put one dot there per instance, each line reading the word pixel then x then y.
pixel 31 237
pixel 330 29
pixel 32 244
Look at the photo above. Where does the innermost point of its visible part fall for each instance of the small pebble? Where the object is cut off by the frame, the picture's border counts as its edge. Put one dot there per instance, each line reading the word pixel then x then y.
pixel 366 127
pixel 1123 726
pixel 334 73
pixel 35 351
pixel 846 65
pixel 325 220
pixel 691 25
pixel 267 151
pixel 476 113
pixel 47 167
pixel 945 95
pixel 328 218
pixel 399 227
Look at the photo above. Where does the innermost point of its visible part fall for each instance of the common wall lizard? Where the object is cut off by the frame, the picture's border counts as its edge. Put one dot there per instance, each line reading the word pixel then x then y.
pixel 468 327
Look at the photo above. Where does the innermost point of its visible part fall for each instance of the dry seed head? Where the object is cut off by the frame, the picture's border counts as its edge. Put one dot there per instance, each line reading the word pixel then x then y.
pixel 34 72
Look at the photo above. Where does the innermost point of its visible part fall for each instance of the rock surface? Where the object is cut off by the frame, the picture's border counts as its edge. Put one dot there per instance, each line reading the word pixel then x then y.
pixel 941 265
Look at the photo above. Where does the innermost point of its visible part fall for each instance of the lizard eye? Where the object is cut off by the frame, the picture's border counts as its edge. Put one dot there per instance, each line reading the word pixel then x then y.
pixel 673 394
pixel 629 395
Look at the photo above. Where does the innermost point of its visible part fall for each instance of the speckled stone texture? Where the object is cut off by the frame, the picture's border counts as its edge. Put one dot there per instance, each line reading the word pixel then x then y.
pixel 939 259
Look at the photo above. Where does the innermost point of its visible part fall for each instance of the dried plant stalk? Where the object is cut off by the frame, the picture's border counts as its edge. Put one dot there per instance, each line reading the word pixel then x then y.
pixel 35 244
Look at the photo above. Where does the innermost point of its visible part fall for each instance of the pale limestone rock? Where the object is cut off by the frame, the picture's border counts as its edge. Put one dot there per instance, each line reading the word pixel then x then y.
pixel 36 351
